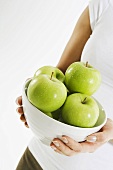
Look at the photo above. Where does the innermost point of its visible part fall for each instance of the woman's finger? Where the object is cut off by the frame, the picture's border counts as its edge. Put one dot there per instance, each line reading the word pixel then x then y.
pixel 71 143
pixel 94 141
pixel 19 101
pixel 104 135
pixel 61 147
pixel 55 148
pixel 22 118
pixel 20 110
pixel 100 137
pixel 26 124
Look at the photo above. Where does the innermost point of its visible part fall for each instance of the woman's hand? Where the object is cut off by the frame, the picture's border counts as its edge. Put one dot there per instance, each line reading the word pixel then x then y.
pixel 20 110
pixel 69 147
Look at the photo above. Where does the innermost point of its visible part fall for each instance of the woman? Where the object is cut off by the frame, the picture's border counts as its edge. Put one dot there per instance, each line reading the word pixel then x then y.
pixel 91 41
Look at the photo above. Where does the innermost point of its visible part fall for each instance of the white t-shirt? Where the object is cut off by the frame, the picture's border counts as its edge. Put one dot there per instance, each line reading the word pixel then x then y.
pixel 98 51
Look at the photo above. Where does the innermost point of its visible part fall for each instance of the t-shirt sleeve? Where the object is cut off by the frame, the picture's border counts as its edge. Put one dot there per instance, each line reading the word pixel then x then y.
pixel 96 9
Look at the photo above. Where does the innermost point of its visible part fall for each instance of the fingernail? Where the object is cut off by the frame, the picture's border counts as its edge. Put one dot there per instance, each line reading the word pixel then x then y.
pixel 16 101
pixel 91 138
pixel 53 147
pixel 64 139
pixel 56 143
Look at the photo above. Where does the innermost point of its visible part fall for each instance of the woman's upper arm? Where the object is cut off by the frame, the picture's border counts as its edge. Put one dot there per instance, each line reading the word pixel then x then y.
pixel 77 41
pixel 82 30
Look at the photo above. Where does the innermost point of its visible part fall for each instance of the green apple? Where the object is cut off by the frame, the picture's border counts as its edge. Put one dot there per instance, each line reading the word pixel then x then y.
pixel 46 93
pixel 49 114
pixel 80 110
pixel 48 70
pixel 55 114
pixel 82 78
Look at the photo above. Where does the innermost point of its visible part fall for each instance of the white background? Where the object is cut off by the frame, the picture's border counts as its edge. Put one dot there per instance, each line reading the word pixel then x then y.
pixel 33 33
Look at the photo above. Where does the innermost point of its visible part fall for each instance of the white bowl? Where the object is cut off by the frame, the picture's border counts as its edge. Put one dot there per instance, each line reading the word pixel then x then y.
pixel 46 128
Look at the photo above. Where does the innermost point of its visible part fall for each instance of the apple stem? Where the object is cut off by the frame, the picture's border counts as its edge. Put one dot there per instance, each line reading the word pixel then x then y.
pixel 51 75
pixel 87 64
pixel 83 102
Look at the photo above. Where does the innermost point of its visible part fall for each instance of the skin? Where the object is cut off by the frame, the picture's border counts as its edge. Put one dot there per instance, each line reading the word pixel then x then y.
pixel 72 53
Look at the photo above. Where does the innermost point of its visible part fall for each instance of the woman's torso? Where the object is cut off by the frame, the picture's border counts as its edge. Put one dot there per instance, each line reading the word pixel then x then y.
pixel 98 52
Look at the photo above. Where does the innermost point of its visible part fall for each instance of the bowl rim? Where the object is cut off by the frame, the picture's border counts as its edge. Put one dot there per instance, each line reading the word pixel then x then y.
pixel 61 123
